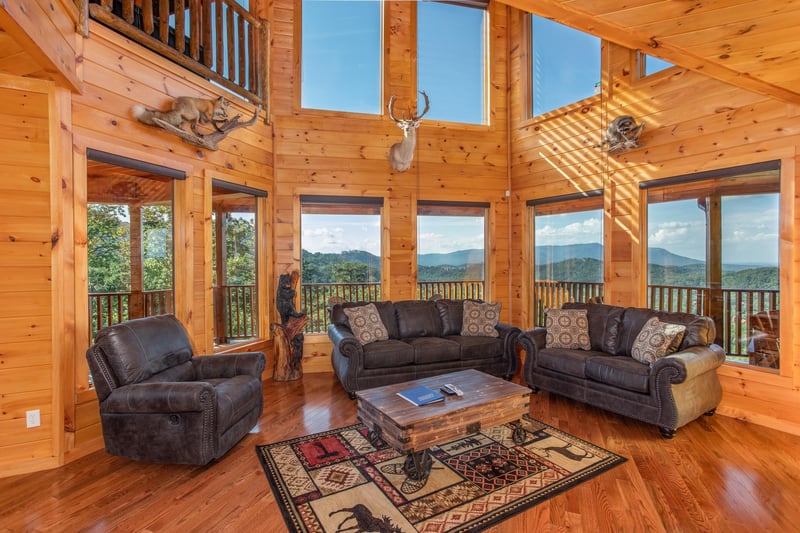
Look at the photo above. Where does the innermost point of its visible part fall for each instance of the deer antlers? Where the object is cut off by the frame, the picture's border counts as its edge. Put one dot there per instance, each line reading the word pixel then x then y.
pixel 404 122
pixel 401 153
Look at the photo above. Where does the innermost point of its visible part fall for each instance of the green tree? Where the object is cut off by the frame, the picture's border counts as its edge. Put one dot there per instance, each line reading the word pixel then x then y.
pixel 157 260
pixel 349 272
pixel 108 245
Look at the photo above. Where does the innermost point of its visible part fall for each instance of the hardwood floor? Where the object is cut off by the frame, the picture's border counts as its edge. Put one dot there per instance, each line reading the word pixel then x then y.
pixel 717 474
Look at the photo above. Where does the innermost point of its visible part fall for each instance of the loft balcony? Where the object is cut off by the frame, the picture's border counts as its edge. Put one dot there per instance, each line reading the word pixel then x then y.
pixel 216 39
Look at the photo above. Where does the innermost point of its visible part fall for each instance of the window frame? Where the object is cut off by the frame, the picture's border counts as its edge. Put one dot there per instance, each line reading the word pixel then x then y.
pixel 485 44
pixel 688 186
pixel 527 71
pixel 457 209
pixel 339 205
pixel 298 69
pixel 562 204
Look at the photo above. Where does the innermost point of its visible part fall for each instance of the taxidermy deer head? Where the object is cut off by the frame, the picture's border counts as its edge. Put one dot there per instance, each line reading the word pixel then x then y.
pixel 401 154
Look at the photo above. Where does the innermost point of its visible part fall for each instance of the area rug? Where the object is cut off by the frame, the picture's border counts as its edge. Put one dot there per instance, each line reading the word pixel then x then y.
pixel 337 480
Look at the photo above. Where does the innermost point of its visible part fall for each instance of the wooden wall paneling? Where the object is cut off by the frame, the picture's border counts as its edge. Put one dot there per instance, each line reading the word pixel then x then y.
pixel 28 191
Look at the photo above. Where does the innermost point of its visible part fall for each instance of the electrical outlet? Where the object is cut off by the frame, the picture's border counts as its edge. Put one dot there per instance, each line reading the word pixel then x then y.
pixel 33 418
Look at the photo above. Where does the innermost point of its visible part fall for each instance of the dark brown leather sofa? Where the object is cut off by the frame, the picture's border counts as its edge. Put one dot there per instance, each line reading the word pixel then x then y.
pixel 159 403
pixel 424 340
pixel 671 393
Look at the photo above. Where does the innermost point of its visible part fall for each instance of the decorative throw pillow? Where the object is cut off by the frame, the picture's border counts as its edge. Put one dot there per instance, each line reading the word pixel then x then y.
pixel 366 323
pixel 567 328
pixel 480 319
pixel 655 340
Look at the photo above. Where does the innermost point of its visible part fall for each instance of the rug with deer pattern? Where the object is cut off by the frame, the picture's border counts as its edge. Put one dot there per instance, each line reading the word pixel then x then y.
pixel 339 481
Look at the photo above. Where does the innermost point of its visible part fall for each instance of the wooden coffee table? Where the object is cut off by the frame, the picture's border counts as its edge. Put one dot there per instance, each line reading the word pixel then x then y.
pixel 487 402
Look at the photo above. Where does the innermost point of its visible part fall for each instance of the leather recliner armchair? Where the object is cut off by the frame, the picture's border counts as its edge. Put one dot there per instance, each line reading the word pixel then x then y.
pixel 159 403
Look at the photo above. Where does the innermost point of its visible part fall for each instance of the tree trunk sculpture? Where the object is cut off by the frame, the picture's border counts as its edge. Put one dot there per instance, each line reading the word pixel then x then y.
pixel 288 335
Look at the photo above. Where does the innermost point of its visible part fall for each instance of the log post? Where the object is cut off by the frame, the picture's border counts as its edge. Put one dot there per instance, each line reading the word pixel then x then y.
pixel 288 335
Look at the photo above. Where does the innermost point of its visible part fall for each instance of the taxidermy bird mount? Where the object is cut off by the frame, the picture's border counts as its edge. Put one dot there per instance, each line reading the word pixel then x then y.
pixel 195 111
pixel 401 153
pixel 621 135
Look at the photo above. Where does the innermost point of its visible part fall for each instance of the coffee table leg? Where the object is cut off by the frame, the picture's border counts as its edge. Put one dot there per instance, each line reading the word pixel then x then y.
pixel 374 435
pixel 418 465
pixel 519 434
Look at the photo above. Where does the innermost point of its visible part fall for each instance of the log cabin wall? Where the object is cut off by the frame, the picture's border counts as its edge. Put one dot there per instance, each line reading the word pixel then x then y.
pixel 325 152
pixel 43 223
pixel 693 123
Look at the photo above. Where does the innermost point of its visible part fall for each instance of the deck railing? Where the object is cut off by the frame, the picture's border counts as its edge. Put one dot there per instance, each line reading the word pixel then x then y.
pixel 109 308
pixel 236 313
pixel 736 306
pixel 551 294
pixel 216 39
pixel 450 289
pixel 314 299
pixel 235 305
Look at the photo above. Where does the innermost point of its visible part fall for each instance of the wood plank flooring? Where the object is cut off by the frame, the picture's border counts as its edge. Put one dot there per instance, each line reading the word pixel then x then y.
pixel 718 474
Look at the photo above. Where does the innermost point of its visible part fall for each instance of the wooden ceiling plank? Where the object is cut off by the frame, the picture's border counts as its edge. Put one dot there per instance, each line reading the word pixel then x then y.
pixel 665 26
pixel 661 46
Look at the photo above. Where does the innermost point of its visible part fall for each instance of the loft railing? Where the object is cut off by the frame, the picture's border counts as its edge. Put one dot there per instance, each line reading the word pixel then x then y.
pixel 737 306
pixel 216 39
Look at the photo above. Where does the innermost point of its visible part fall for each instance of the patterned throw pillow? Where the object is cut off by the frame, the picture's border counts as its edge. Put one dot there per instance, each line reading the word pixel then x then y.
pixel 567 328
pixel 480 319
pixel 366 323
pixel 655 340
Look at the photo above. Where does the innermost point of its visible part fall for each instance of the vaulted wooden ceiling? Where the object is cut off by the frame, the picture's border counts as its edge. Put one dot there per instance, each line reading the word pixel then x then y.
pixel 753 44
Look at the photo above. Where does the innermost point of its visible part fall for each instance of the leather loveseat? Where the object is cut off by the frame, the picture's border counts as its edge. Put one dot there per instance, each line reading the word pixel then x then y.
pixel 669 392
pixel 424 339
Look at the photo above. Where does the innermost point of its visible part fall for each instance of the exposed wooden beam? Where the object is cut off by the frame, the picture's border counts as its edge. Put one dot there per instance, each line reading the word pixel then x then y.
pixel 567 13
pixel 32 26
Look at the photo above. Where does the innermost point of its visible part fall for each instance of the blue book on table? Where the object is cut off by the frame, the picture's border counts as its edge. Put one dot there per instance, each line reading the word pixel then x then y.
pixel 421 395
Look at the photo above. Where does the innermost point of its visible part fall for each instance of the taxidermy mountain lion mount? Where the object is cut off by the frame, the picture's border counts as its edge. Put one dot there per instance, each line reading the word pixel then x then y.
pixel 401 153
pixel 195 111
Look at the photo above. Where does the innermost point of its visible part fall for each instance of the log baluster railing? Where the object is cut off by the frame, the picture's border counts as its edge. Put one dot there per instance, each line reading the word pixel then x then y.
pixel 216 39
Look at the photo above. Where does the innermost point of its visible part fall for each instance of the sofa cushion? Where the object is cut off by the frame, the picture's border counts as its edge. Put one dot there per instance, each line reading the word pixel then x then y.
pixel 434 350
pixel 451 314
pixel 565 361
pixel 366 323
pixel 622 372
pixel 473 348
pixel 385 310
pixel 417 318
pixel 604 324
pixel 656 340
pixel 480 319
pixel 388 354
pixel 567 328
pixel 700 330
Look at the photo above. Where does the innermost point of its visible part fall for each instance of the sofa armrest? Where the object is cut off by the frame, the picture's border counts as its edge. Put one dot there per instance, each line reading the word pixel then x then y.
pixel 531 341
pixel 175 397
pixel 687 364
pixel 344 342
pixel 229 365
pixel 508 335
